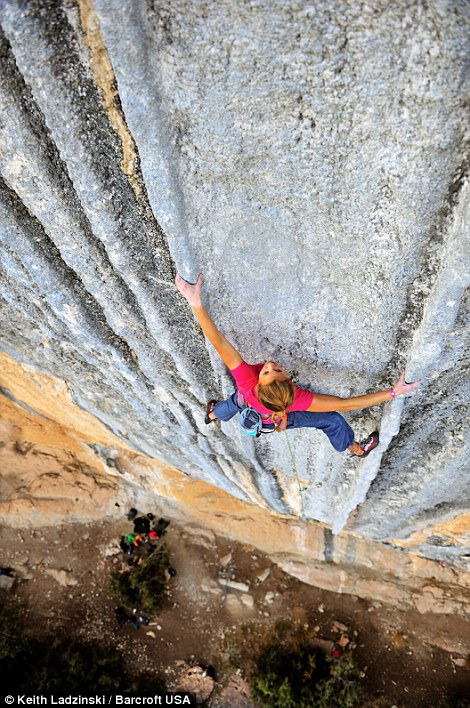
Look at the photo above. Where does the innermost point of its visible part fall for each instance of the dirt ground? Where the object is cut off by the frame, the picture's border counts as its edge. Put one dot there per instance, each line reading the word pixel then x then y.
pixel 406 659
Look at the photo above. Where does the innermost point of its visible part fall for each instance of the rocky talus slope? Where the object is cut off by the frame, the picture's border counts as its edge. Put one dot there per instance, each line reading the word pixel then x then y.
pixel 311 160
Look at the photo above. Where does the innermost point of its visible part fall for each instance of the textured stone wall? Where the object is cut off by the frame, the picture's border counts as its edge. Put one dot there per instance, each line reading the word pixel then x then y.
pixel 60 465
pixel 310 159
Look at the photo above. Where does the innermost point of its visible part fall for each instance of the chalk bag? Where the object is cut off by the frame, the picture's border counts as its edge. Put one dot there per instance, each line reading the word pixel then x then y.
pixel 251 422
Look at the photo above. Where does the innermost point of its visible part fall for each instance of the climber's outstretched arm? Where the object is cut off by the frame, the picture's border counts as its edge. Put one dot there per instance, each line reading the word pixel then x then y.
pixel 192 293
pixel 322 403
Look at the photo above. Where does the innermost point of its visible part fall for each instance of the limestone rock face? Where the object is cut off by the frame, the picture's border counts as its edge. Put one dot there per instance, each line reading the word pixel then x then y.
pixel 310 160
pixel 77 470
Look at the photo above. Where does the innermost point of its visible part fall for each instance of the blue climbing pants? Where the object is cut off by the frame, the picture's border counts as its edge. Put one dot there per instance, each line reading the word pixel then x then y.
pixel 339 432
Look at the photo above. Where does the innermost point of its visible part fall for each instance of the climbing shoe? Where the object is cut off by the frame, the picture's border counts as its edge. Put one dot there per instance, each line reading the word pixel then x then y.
pixel 209 409
pixel 369 444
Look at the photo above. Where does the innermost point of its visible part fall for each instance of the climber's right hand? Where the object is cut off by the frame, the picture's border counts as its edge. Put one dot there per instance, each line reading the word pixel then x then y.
pixel 192 293
pixel 401 387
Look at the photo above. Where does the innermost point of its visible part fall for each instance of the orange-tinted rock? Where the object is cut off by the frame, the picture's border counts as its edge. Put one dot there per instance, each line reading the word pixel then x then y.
pixel 53 471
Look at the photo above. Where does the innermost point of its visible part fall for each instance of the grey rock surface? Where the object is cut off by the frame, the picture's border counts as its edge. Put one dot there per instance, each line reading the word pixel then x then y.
pixel 310 159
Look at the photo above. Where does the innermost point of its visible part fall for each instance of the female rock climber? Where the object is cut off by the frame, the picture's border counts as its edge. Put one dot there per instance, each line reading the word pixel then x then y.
pixel 268 389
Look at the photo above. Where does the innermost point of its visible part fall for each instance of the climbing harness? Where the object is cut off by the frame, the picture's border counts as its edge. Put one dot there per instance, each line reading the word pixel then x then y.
pixel 301 489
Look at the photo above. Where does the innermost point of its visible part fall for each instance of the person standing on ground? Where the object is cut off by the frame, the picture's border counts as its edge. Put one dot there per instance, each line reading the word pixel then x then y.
pixel 268 389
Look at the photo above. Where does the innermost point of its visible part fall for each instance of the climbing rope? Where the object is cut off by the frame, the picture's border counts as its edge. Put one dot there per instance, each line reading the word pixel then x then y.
pixel 301 489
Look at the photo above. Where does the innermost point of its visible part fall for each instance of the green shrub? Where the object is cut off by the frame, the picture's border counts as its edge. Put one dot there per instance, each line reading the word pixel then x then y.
pixel 143 586
pixel 286 676
pixel 69 666
pixel 53 665
pixel 11 636
pixel 123 588
pixel 455 701
pixel 341 689
pixel 286 670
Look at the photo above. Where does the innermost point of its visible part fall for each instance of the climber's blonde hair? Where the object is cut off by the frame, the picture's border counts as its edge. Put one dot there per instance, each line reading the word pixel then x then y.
pixel 277 396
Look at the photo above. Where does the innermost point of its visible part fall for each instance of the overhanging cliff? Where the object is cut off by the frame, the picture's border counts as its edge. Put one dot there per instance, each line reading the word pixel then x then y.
pixel 310 159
